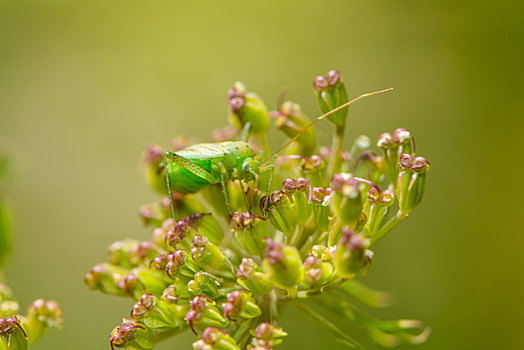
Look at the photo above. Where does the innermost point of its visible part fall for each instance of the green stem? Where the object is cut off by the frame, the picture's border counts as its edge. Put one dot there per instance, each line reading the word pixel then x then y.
pixel 322 322
pixel 336 148
pixel 273 308
pixel 394 221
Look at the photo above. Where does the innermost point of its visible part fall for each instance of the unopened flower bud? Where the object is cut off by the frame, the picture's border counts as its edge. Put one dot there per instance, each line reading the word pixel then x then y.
pixel 281 212
pixel 377 207
pixel 405 140
pixel 315 272
pixel 205 284
pixel 267 336
pixel 282 264
pixel 153 167
pixel 250 231
pixel 181 235
pixel 157 313
pixel 202 314
pixel 331 93
pixel 320 198
pixel 247 107
pixel 252 277
pixel 140 309
pixel 105 278
pixel 411 181
pixel 347 201
pixel 215 339
pixel 291 120
pixel 180 264
pixel 48 312
pixel 12 333
pixel 350 256
pixel 130 253
pixel 390 145
pixel 300 191
pixel 206 254
pixel 241 305
pixel 129 334
pixel 176 291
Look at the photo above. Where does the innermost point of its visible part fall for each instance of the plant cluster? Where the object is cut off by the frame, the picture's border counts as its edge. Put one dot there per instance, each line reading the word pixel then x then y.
pixel 239 236
pixel 18 331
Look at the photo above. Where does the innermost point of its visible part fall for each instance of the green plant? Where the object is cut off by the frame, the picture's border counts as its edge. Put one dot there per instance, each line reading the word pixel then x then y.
pixel 246 244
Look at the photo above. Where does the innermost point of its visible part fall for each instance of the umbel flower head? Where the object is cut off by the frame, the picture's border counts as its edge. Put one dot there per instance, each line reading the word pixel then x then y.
pixel 240 232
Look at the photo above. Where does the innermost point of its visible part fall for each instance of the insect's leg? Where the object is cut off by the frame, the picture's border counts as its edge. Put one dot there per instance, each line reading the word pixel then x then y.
pixel 223 179
pixel 244 135
pixel 166 176
pixel 271 168
pixel 192 167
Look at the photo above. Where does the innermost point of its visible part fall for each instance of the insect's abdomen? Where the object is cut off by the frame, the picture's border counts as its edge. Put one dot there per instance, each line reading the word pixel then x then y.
pixel 206 156
pixel 183 181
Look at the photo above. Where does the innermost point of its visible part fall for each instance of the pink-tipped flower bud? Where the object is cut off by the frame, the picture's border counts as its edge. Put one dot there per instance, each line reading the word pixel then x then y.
pixel 315 272
pixel 129 333
pixel 248 107
pixel 252 277
pixel 331 93
pixel 411 182
pixel 282 264
pixel 351 256
pixel 347 201
pixel 267 336
pixel 281 212
pixel 215 339
pixel 291 120
pixel 250 231
pixel 240 306
pixel 202 314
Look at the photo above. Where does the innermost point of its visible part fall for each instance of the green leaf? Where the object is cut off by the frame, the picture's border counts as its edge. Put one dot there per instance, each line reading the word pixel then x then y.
pixel 385 333
pixel 365 295
pixel 327 325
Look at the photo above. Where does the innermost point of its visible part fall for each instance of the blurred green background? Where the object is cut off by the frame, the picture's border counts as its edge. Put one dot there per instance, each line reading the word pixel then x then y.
pixel 84 85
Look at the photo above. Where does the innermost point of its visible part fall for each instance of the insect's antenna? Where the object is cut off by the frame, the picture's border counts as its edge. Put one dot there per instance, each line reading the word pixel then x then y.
pixel 324 116
pixel 166 176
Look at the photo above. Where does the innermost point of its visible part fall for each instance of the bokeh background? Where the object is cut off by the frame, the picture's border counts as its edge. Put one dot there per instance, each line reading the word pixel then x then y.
pixel 84 85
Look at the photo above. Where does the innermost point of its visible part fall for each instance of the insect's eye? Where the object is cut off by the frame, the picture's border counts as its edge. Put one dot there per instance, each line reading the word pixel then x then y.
pixel 250 165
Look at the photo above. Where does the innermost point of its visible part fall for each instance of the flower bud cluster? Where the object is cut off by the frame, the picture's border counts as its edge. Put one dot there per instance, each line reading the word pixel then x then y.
pixel 18 331
pixel 224 260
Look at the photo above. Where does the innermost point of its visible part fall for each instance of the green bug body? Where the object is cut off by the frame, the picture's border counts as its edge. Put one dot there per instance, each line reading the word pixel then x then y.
pixel 198 166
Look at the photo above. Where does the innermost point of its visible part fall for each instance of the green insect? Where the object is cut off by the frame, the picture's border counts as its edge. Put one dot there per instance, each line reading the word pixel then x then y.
pixel 198 166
